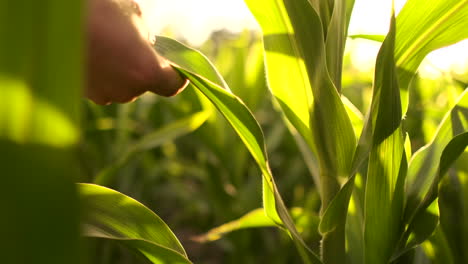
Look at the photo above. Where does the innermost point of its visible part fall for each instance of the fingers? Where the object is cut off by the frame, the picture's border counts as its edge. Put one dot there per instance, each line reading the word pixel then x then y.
pixel 122 63
pixel 168 81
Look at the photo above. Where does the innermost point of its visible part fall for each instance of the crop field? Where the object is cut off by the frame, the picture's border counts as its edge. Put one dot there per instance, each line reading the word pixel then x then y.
pixel 279 149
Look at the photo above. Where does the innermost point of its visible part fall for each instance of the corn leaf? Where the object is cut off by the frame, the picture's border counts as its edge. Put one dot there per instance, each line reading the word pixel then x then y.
pixel 293 40
pixel 384 195
pixel 335 40
pixel 286 72
pixel 355 223
pixel 194 61
pixel 294 34
pixel 247 128
pixel 422 215
pixel 356 117
pixel 109 214
pixel 424 165
pixel 254 219
pixel 424 26
pixel 439 28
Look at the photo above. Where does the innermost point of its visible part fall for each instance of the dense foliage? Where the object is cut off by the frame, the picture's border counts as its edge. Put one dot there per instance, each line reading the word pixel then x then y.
pixel 353 167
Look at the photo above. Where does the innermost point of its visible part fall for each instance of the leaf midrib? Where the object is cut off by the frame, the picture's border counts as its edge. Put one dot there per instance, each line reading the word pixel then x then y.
pixel 411 50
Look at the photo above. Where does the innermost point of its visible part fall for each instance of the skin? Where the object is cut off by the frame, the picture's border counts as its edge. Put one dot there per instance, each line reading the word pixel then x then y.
pixel 122 64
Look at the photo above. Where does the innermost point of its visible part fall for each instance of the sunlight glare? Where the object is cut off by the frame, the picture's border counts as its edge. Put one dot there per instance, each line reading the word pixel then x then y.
pixel 195 20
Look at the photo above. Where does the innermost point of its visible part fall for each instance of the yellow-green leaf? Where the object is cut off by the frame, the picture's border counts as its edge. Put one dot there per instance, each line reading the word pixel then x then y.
pixel 109 214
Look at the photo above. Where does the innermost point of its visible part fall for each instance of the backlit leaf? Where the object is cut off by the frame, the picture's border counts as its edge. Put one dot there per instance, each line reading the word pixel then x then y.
pixel 111 215
pixel 253 219
pixel 386 173
pixel 247 128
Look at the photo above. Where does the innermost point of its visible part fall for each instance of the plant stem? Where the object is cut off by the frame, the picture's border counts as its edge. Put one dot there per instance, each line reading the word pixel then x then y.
pixel 333 242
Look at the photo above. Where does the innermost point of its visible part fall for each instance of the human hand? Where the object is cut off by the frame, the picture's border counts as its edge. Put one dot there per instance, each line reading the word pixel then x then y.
pixel 121 61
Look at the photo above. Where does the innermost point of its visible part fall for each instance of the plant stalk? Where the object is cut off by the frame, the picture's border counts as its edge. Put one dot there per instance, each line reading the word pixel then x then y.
pixel 333 243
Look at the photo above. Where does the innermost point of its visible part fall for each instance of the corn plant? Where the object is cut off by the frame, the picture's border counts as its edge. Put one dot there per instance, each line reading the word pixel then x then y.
pixel 304 43
pixel 395 205
pixel 380 200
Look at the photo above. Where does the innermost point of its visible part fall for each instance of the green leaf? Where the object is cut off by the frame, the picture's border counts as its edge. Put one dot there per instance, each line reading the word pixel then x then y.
pixel 294 39
pixel 247 128
pixel 154 139
pixel 41 78
pixel 293 93
pixel 253 219
pixel 356 117
pixel 420 212
pixel 111 215
pixel 333 133
pixel 193 61
pixel 335 41
pixel 424 165
pixel 384 195
pixel 421 228
pixel 355 223
pixel 424 26
pixel 437 30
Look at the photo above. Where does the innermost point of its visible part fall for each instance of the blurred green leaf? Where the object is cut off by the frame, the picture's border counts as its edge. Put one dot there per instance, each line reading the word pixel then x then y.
pixel 111 215
pixel 243 122
pixel 154 139
pixel 253 219
pixel 437 248
pixel 41 77
pixel 422 227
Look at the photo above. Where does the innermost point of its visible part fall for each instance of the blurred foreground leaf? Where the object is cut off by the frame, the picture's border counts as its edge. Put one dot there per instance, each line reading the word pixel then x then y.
pixel 41 77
